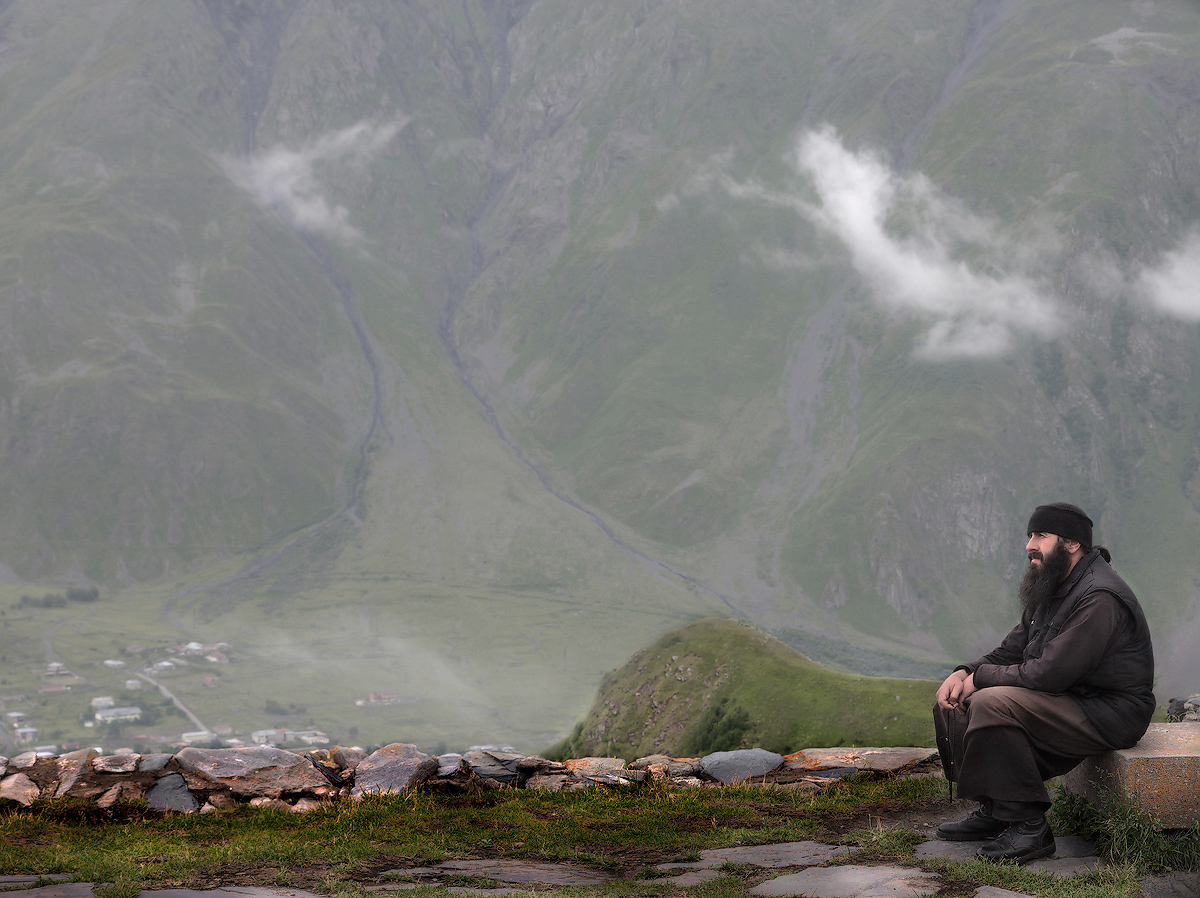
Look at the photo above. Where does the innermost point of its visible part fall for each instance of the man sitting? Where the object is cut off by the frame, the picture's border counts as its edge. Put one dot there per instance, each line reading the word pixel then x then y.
pixel 1073 678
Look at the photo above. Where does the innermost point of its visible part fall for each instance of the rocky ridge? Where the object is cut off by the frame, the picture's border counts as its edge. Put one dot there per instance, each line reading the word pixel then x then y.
pixel 206 780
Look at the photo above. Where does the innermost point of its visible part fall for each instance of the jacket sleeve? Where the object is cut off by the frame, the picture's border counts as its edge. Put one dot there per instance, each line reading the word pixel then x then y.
pixel 1083 641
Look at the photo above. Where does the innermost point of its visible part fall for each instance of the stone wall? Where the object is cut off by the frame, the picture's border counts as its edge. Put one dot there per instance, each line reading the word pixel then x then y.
pixel 205 780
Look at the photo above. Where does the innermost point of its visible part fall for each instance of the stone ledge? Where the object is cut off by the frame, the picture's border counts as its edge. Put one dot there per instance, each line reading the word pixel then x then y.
pixel 1161 774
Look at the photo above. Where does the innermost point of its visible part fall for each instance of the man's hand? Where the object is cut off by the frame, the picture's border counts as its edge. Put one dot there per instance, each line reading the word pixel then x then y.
pixel 955 690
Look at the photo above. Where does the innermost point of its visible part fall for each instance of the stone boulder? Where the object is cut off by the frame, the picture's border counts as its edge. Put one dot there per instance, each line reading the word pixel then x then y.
pixel 74 775
pixel 171 793
pixel 125 790
pixel 18 788
pixel 111 764
pixel 1181 709
pixel 394 768
pixel 495 764
pixel 728 767
pixel 261 770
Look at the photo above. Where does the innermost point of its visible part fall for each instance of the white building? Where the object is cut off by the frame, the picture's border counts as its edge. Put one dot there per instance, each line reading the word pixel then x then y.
pixel 118 715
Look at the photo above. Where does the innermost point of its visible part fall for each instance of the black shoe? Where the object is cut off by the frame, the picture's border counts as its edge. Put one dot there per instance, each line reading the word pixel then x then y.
pixel 1021 842
pixel 976 826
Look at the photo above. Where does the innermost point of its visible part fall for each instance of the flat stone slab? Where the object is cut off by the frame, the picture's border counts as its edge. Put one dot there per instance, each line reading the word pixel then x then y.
pixel 1171 885
pixel 58 890
pixel 1161 774
pixel 882 760
pixel 692 878
pixel 953 851
pixel 997 892
pixel 853 882
pixel 784 854
pixel 12 881
pixel 1065 866
pixel 730 767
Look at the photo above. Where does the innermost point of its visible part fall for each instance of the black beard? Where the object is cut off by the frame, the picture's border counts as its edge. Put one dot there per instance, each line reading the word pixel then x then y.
pixel 1041 580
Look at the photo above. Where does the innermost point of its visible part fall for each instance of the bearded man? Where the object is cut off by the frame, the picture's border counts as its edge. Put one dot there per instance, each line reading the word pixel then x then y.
pixel 1072 679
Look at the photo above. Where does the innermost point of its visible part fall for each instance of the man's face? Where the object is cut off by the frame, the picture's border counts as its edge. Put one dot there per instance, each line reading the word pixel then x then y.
pixel 1049 564
pixel 1039 546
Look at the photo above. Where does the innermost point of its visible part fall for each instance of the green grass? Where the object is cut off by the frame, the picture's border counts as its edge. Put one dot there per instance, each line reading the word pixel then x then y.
pixel 718 685
pixel 1126 836
pixel 625 833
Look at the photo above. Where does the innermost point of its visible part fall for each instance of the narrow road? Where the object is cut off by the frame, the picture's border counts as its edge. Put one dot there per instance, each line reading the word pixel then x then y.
pixel 166 693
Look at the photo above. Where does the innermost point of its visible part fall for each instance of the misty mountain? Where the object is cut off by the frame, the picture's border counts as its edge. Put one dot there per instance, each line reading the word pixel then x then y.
pixel 437 340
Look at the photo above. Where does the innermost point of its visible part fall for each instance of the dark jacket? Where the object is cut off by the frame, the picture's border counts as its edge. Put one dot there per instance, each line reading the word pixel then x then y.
pixel 1087 646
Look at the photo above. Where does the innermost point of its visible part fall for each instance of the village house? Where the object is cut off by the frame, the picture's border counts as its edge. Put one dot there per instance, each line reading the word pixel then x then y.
pixel 133 684
pixel 14 718
pixel 114 663
pixel 102 701
pixel 269 737
pixel 118 715
pixel 26 735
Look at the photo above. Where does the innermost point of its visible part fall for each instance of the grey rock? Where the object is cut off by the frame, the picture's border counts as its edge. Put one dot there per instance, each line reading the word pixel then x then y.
pixel 127 790
pixel 394 768
pixel 152 763
pixel 997 892
pixel 347 758
pixel 532 764
pixel 259 770
pixel 171 793
pixel 1171 885
pixel 555 782
pixel 23 761
pixel 276 804
pixel 80 754
pixel 954 851
pixel 60 890
pixel 19 788
pixel 303 805
pixel 449 765
pixel 74 772
pixel 1065 866
pixel 692 878
pixel 3 766
pixel 115 763
pixel 737 766
pixel 853 882
pixel 644 763
pixel 494 764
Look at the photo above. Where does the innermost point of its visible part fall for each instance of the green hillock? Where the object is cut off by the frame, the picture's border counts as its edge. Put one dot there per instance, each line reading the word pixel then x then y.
pixel 719 685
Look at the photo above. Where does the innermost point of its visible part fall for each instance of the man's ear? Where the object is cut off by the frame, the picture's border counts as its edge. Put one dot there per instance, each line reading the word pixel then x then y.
pixel 1071 546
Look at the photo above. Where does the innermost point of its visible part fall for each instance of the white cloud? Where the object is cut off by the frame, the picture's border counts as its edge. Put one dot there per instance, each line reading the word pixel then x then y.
pixel 922 251
pixel 287 179
pixel 1173 286
pixel 919 250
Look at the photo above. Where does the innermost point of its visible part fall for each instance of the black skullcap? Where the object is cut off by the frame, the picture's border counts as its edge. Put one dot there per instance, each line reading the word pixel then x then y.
pixel 1063 519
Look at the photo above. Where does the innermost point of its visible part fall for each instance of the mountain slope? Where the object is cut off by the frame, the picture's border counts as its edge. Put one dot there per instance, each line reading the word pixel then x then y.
pixel 509 335
pixel 718 685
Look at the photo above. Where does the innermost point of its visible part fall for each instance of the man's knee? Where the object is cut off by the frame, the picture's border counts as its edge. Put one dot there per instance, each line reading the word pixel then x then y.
pixel 1001 703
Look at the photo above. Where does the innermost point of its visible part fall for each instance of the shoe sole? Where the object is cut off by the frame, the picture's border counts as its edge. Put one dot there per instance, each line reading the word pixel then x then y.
pixel 968 837
pixel 1046 851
